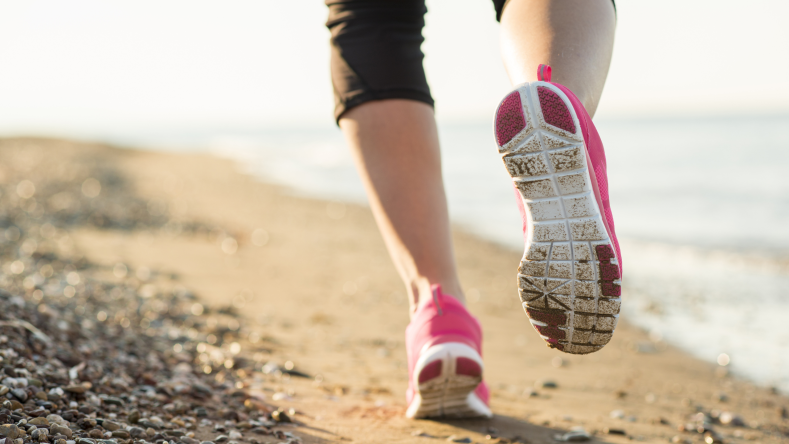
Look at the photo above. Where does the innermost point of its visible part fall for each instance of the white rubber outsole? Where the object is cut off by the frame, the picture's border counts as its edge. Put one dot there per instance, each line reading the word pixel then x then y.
pixel 449 394
pixel 569 278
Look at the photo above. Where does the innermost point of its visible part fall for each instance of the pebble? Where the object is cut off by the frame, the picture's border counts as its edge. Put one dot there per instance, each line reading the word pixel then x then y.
pixel 134 416
pixel 123 434
pixel 221 438
pixel 111 400
pixel 729 418
pixel 39 422
pixel 574 435
pixel 280 416
pixel 454 438
pixel 109 425
pixel 79 389
pixel 40 434
pixel 19 394
pixel 235 435
pixel 10 431
pixel 57 429
pixel 3 390
pixel 546 383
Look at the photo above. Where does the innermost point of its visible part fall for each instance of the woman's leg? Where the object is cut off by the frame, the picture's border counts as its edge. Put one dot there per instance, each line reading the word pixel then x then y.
pixel 395 146
pixel 574 37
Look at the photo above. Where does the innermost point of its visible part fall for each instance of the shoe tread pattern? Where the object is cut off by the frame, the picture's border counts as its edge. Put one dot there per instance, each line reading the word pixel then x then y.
pixel 569 279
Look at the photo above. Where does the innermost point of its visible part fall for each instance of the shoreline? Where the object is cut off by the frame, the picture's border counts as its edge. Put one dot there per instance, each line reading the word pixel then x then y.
pixel 324 291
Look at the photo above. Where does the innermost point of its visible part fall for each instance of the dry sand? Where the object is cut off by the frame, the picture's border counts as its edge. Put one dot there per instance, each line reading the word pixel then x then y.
pixel 327 298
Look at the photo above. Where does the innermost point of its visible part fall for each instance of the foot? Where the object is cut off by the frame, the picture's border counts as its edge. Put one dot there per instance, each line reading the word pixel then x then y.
pixel 444 344
pixel 570 274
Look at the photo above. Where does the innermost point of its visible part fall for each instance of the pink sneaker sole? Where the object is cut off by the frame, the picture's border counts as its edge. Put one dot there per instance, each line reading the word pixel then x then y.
pixel 448 375
pixel 569 277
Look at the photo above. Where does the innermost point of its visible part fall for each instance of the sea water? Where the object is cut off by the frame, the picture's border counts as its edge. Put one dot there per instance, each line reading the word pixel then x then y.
pixel 701 207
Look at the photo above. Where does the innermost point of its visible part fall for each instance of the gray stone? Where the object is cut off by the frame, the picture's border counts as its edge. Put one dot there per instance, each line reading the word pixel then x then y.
pixel 19 394
pixel 221 438
pixel 137 432
pixel 113 401
pixel 40 435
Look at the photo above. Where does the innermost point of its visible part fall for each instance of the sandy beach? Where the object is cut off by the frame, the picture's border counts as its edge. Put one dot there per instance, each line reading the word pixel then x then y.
pixel 318 294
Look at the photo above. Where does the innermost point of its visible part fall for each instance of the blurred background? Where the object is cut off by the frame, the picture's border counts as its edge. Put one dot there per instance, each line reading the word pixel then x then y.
pixel 694 116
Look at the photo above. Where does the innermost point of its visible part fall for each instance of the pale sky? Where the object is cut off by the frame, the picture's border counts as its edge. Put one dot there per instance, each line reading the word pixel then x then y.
pixel 99 66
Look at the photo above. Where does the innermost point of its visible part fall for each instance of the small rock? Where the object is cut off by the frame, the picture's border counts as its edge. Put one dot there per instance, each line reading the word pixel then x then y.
pixel 729 418
pixel 42 396
pixel 617 414
pixel 35 382
pixel 111 400
pixel 150 431
pixel 39 422
pixel 57 419
pixel 3 390
pixel 530 393
pixel 58 429
pixel 19 394
pixel 40 434
pixel 111 426
pixel 221 438
pixel 614 431
pixel 188 440
pixel 60 441
pixel 85 441
pixel 280 416
pixel 261 431
pixel 76 388
pixel 96 433
pixel 235 435
pixel 137 432
pixel 123 434
pixel 10 431
pixel 134 416
pixel 206 442
pixel 454 438
pixel 575 435
pixel 201 412
pixel 546 384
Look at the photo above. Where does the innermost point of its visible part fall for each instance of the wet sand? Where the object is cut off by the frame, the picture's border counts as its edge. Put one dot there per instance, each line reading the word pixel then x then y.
pixel 319 288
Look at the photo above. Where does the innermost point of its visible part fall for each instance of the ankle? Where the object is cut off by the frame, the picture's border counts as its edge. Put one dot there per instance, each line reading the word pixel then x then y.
pixel 422 293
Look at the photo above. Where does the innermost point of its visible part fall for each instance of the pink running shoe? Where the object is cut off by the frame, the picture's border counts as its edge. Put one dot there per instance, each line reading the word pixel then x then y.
pixel 444 345
pixel 571 271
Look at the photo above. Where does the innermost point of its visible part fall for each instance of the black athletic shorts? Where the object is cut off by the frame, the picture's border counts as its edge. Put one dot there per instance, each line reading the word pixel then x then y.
pixel 375 51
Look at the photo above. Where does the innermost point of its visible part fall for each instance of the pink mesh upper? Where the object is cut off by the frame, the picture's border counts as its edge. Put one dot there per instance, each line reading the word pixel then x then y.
pixel 509 118
pixel 554 110
pixel 443 320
